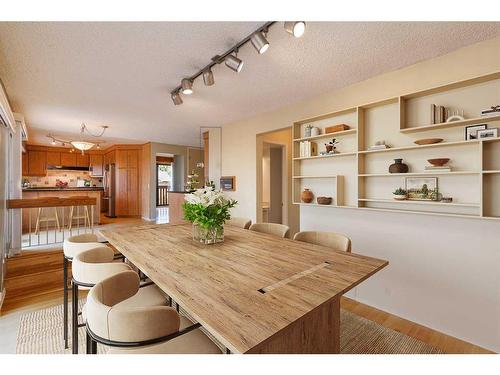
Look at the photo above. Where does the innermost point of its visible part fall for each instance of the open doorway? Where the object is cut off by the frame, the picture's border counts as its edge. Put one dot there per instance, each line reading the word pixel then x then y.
pixel 164 178
pixel 274 179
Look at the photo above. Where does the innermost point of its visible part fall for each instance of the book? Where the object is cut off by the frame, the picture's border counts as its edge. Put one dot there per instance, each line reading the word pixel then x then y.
pixel 433 113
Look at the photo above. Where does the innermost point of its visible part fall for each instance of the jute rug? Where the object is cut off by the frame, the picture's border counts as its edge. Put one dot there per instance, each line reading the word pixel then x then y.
pixel 41 332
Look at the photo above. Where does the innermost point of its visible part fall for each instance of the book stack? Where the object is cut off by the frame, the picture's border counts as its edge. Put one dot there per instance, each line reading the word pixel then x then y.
pixel 438 114
pixel 307 149
pixel 431 168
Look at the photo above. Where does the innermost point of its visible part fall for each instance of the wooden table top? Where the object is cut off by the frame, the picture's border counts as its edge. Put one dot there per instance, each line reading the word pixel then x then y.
pixel 247 288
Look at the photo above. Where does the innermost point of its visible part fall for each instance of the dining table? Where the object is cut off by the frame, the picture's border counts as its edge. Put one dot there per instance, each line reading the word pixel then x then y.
pixel 253 292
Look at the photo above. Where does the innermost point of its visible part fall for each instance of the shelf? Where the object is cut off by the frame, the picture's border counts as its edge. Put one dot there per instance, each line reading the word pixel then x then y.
pixel 328 135
pixel 444 125
pixel 327 156
pixel 418 174
pixel 322 205
pixel 430 203
pixel 416 147
pixel 301 177
pixel 392 210
pixel 491 172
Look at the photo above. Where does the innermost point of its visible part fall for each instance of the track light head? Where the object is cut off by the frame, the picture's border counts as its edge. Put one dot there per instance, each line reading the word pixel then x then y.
pixel 176 98
pixel 259 42
pixel 208 77
pixel 233 63
pixel 295 28
pixel 187 86
pixel 53 142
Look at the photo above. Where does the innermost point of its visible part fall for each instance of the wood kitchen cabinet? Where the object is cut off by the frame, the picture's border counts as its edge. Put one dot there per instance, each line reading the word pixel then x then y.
pixel 25 164
pixel 128 192
pixel 96 165
pixel 53 158
pixel 82 160
pixel 68 159
pixel 37 163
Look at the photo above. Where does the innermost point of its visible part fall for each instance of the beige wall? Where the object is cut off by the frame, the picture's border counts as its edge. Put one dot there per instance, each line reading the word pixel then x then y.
pixel 443 271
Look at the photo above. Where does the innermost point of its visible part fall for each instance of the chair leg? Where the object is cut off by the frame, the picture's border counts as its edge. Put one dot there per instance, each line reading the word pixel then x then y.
pixel 93 346
pixel 88 343
pixel 70 217
pixel 57 219
pixel 37 226
pixel 65 304
pixel 87 216
pixel 74 312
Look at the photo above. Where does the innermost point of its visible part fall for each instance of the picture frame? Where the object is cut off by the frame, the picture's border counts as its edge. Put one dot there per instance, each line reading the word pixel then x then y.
pixel 422 188
pixel 228 183
pixel 471 131
pixel 487 133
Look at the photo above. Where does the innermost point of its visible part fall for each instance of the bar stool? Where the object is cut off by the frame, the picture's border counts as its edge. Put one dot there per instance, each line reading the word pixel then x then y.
pixel 138 329
pixel 337 242
pixel 85 216
pixel 72 246
pixel 94 265
pixel 43 216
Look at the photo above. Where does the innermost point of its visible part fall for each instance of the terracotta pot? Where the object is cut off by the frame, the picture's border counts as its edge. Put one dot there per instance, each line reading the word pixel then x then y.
pixel 398 167
pixel 307 196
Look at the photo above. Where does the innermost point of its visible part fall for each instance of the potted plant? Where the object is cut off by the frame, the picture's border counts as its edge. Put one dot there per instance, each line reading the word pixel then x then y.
pixel 208 210
pixel 400 194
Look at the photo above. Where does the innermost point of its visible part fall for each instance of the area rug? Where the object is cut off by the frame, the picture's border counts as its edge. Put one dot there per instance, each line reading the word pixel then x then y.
pixel 41 332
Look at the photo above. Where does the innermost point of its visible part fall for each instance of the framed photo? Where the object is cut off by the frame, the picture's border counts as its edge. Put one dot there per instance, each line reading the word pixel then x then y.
pixel 471 131
pixel 422 188
pixel 228 183
pixel 487 133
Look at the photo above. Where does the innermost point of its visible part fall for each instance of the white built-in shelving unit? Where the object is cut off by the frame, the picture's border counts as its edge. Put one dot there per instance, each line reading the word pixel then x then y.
pixel 358 178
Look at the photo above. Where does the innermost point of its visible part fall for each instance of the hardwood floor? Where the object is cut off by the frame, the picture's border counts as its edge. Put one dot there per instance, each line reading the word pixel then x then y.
pixel 448 344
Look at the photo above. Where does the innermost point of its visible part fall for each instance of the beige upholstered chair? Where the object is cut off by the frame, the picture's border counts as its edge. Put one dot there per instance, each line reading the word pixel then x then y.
pixel 112 321
pixel 336 241
pixel 92 266
pixel 239 222
pixel 71 246
pixel 279 230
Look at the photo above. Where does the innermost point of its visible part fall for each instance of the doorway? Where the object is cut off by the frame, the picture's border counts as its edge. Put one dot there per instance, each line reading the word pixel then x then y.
pixel 164 179
pixel 272 183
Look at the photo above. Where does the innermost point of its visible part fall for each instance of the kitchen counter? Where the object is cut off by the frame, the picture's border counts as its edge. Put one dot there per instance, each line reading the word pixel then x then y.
pixel 90 188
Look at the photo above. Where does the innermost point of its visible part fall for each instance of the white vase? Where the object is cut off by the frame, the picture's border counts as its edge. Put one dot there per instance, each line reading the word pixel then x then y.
pixel 315 131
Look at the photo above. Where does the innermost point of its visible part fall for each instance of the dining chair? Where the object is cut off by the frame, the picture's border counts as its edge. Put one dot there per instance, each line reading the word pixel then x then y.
pixel 90 267
pixel 72 246
pixel 240 222
pixel 140 329
pixel 337 242
pixel 279 230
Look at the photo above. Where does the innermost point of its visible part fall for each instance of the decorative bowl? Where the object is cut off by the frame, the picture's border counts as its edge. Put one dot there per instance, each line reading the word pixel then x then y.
pixel 438 162
pixel 400 197
pixel 428 141
pixel 324 200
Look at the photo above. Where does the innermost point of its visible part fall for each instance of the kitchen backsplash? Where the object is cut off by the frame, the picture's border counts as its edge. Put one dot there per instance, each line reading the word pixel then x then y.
pixel 66 176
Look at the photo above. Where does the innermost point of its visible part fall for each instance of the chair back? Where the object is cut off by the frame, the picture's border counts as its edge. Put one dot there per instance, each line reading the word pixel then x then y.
pixel 279 230
pixel 92 266
pixel 108 320
pixel 75 244
pixel 240 222
pixel 337 242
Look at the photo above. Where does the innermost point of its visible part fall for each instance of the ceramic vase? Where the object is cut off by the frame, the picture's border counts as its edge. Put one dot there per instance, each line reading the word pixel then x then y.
pixel 307 196
pixel 398 167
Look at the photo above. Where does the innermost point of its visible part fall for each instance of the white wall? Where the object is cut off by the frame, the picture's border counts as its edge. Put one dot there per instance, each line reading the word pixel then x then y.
pixel 214 155
pixel 443 271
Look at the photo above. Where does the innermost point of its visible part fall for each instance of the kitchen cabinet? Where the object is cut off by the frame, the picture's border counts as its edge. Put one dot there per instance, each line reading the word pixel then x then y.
pixel 68 159
pixel 53 158
pixel 128 192
pixel 37 163
pixel 82 160
pixel 24 164
pixel 96 165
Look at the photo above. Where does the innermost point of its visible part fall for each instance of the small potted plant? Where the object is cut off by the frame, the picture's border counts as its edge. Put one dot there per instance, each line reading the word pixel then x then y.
pixel 400 194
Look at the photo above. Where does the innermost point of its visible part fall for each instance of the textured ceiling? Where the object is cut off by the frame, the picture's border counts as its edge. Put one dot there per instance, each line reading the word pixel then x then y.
pixel 120 74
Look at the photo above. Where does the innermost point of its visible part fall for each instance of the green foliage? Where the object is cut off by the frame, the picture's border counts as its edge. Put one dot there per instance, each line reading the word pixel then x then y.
pixel 211 216
pixel 399 191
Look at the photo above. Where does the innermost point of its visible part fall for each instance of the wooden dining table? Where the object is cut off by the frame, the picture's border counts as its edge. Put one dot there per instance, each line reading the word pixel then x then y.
pixel 254 292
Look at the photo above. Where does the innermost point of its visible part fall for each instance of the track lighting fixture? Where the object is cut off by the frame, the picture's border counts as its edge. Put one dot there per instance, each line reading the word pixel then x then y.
pixel 208 77
pixel 187 86
pixel 233 63
pixel 258 39
pixel 259 42
pixel 176 98
pixel 295 28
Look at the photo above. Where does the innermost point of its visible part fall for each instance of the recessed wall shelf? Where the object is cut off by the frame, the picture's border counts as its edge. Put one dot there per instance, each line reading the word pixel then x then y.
pixel 476 163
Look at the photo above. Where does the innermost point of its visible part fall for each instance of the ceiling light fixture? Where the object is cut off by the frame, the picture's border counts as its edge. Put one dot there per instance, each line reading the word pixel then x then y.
pixel 295 28
pixel 259 42
pixel 187 86
pixel 258 39
pixel 233 63
pixel 80 144
pixel 208 77
pixel 176 98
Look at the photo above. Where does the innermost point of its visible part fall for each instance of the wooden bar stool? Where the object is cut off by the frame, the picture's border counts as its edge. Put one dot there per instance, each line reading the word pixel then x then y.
pixel 44 216
pixel 85 215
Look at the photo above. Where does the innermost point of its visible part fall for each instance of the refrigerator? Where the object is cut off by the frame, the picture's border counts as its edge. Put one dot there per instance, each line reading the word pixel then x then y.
pixel 109 184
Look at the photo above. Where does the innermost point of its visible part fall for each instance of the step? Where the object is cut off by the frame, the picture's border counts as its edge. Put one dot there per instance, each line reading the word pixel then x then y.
pixel 30 263
pixel 34 283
